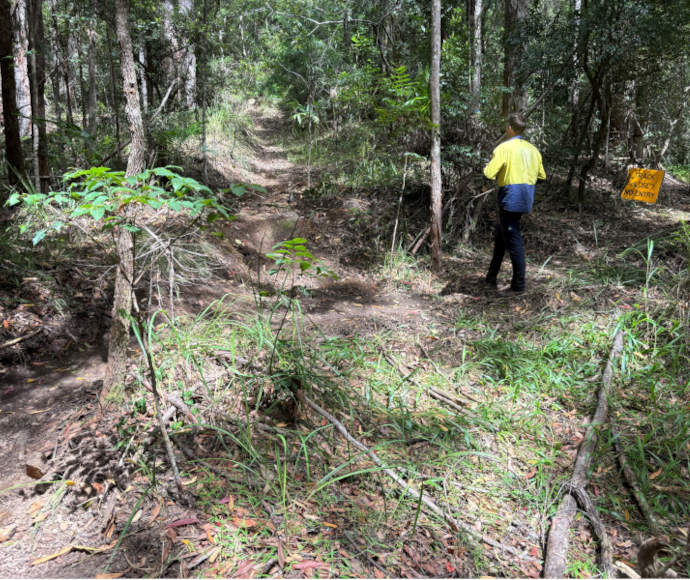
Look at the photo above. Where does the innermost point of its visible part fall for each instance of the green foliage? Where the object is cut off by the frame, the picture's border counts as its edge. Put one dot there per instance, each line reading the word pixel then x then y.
pixel 406 103
pixel 294 254
pixel 104 195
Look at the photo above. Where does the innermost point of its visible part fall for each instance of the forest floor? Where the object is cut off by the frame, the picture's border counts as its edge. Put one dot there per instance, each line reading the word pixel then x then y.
pixel 478 397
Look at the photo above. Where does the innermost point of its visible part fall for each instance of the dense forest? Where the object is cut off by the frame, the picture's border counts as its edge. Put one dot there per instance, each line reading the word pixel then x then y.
pixel 245 329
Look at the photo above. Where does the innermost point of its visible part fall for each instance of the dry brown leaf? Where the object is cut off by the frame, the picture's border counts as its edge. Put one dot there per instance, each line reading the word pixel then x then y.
pixel 7 532
pixel 656 474
pixel 154 513
pixel 109 575
pixel 34 472
pixel 62 552
pixel 245 570
pixel 244 522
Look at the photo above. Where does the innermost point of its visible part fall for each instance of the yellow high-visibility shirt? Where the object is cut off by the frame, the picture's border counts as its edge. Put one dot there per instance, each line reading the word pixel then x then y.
pixel 516 164
pixel 515 161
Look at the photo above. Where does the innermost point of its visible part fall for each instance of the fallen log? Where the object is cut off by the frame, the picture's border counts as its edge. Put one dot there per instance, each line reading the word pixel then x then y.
pixel 557 542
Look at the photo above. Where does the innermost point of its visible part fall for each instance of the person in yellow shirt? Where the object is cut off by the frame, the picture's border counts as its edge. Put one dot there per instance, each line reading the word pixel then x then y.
pixel 516 165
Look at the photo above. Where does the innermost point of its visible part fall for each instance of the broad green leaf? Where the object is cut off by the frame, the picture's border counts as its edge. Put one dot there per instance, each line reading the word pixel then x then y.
pixel 38 236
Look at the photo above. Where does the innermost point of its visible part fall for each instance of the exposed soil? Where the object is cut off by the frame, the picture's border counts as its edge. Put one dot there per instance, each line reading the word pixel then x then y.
pixel 50 422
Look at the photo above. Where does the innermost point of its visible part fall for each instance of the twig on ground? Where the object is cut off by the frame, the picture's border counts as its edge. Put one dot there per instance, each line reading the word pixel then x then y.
pixel 557 543
pixel 19 339
pixel 438 395
pixel 632 480
pixel 429 504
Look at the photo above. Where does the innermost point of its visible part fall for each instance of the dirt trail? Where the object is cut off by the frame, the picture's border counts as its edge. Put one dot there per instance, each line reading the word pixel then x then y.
pixel 44 397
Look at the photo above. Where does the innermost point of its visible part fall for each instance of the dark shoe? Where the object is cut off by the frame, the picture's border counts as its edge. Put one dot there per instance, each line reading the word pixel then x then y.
pixel 512 290
pixel 491 282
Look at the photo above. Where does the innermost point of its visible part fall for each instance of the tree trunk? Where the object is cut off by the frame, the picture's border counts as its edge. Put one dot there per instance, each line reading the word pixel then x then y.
pixel 66 76
pixel 55 74
pixel 13 147
pixel 21 66
pixel 123 297
pixel 91 104
pixel 38 102
pixel 143 80
pixel 514 16
pixel 435 90
pixel 189 60
pixel 476 76
pixel 113 89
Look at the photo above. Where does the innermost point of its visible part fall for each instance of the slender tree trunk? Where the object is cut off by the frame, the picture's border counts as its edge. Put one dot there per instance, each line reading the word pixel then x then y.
pixel 91 104
pixel 55 74
pixel 123 297
pixel 476 77
pixel 21 66
pixel 143 77
pixel 38 102
pixel 204 70
pixel 13 147
pixel 514 17
pixel 66 76
pixel 436 194
pixel 113 88
pixel 574 96
pixel 83 91
pixel 189 59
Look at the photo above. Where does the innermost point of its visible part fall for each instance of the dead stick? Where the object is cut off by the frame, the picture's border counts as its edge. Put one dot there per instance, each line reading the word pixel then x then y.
pixel 557 543
pixel 19 339
pixel 159 418
pixel 606 552
pixel 408 488
pixel 632 480
pixel 438 395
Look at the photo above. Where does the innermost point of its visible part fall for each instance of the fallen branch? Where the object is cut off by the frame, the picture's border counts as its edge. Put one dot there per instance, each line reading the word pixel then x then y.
pixel 606 553
pixel 429 504
pixel 439 395
pixel 557 543
pixel 19 339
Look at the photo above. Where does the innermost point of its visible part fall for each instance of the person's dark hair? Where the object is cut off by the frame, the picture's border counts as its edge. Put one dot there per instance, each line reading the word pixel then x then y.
pixel 517 123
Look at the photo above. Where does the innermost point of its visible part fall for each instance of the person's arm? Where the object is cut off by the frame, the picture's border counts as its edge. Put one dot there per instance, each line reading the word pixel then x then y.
pixel 542 174
pixel 495 165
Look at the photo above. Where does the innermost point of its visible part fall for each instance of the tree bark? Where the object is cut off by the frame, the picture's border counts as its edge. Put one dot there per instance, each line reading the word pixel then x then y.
pixel 55 74
pixel 38 102
pixel 123 296
pixel 514 16
pixel 476 75
pixel 13 147
pixel 189 60
pixel 91 103
pixel 435 90
pixel 113 88
pixel 66 74
pixel 144 81
pixel 21 66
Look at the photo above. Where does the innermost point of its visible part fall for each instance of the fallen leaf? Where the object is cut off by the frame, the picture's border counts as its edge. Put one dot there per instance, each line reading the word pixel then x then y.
pixel 450 568
pixel 656 474
pixel 310 565
pixel 329 524
pixel 182 522
pixel 244 570
pixel 34 472
pixel 154 513
pixel 39 411
pixel 244 522
pixel 62 552
pixel 7 532
pixel 281 554
pixel 110 575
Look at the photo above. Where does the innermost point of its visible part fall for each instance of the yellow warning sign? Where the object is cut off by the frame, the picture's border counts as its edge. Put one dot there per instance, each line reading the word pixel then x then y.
pixel 643 184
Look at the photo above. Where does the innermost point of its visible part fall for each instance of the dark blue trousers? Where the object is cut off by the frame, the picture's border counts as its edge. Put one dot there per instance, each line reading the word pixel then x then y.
pixel 508 237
